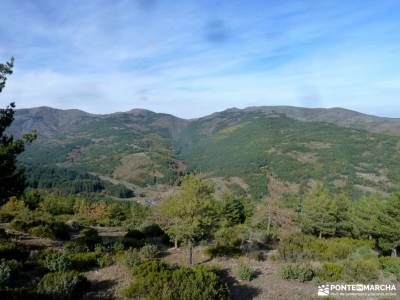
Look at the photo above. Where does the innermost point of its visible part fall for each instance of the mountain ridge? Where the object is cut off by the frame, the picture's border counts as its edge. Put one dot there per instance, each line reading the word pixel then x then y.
pixel 345 149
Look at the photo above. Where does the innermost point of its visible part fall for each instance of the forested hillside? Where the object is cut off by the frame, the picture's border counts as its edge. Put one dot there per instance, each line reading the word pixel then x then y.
pixel 288 147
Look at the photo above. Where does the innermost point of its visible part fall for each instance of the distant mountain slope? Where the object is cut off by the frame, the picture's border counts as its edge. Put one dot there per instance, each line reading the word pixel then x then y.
pixel 237 147
pixel 251 143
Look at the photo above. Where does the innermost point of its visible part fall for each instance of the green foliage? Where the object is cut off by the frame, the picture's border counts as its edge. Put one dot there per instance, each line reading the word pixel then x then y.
pixel 156 280
pixel 131 258
pixel 12 179
pixel 242 143
pixel 105 260
pixel 330 272
pixel 223 251
pixel 190 214
pixel 295 246
pixel 83 261
pixel 360 270
pixel 149 251
pixel 233 210
pixel 389 222
pixel 63 285
pixel 302 272
pixel 245 273
pixel 73 182
pixel 5 273
pixel 326 215
pixel 88 237
pixel 391 265
pixel 57 262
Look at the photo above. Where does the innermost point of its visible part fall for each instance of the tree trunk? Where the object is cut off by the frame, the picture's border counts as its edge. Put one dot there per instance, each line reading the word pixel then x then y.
pixel 190 252
pixel 320 235
pixel 175 243
pixel 394 252
pixel 269 222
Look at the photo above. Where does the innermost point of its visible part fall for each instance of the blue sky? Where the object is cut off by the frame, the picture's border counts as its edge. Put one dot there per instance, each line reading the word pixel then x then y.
pixel 191 58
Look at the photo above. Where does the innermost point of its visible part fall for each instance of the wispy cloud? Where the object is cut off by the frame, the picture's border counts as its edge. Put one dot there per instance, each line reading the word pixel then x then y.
pixel 191 58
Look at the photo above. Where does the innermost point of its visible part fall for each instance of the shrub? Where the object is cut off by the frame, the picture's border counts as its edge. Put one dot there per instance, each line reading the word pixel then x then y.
pixel 105 260
pixel 5 273
pixel 83 261
pixel 295 246
pixel 149 251
pixel 158 280
pixel 391 265
pixel 330 272
pixel 63 285
pixel 131 258
pixel 75 247
pixel 88 237
pixel 223 250
pixel 42 231
pixel 301 272
pixel 360 270
pixel 57 262
pixel 245 273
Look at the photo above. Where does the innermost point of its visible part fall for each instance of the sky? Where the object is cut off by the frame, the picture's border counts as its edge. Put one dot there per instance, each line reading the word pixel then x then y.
pixel 192 58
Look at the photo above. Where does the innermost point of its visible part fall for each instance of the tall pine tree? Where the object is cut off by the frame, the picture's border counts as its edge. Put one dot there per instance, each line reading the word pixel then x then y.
pixel 12 180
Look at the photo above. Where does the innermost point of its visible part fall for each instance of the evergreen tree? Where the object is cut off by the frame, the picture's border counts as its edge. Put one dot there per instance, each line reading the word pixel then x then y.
pixel 190 214
pixel 343 214
pixel 366 216
pixel 389 224
pixel 318 213
pixel 12 180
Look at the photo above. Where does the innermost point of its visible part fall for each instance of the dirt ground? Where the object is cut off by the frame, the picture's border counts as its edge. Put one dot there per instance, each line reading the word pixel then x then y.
pixel 267 284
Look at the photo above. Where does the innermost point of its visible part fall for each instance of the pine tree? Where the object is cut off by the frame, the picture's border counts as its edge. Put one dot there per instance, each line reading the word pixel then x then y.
pixel 190 214
pixel 389 224
pixel 318 213
pixel 12 179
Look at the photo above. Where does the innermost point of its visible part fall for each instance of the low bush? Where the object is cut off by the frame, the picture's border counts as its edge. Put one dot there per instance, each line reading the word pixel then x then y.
pixel 57 262
pixel 330 272
pixel 391 265
pixel 131 258
pixel 223 250
pixel 75 247
pixel 63 285
pixel 42 231
pixel 245 273
pixel 360 270
pixel 83 261
pixel 295 246
pixel 88 237
pixel 149 251
pixel 158 280
pixel 5 273
pixel 301 272
pixel 105 260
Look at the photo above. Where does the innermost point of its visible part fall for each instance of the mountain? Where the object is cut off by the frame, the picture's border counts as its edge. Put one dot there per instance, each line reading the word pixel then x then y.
pixel 253 151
